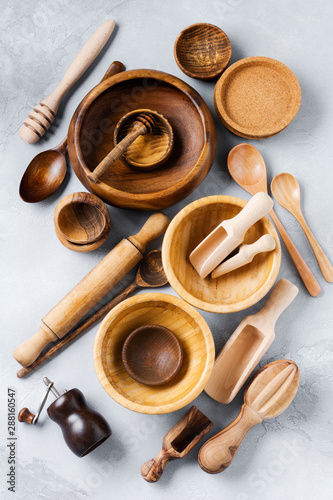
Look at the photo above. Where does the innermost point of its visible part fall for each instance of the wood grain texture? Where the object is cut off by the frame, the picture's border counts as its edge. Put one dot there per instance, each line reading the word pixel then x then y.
pixel 91 137
pixel 202 51
pixel 192 332
pixel 247 345
pixel 268 393
pixel 233 291
pixel 228 235
pixel 286 191
pixel 82 218
pixel 247 167
pixel 152 354
pixel 177 443
pixel 150 274
pixel 257 97
pixel 42 116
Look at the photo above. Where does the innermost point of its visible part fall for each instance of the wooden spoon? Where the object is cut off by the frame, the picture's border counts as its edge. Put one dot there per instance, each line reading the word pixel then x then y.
pixel 150 274
pixel 152 354
pixel 248 169
pixel 286 191
pixel 47 170
pixel 269 392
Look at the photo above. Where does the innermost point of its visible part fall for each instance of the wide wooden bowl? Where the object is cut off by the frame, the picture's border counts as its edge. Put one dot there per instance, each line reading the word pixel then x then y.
pixel 202 51
pixel 231 292
pixel 91 138
pixel 191 330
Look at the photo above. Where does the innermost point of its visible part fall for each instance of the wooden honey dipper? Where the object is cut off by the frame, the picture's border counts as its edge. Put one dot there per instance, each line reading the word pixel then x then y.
pixel 42 116
pixel 144 124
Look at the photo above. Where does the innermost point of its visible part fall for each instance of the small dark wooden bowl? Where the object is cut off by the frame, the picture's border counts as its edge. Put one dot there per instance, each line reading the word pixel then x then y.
pixel 152 355
pixel 148 151
pixel 91 138
pixel 202 51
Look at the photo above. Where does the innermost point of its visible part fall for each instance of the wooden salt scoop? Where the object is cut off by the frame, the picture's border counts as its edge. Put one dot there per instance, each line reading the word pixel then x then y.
pixel 269 392
pixel 85 295
pixel 245 255
pixel 228 235
pixel 248 344
pixel 178 442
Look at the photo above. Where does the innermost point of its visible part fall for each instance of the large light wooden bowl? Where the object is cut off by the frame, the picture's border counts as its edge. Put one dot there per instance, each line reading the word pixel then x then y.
pixel 231 292
pixel 191 330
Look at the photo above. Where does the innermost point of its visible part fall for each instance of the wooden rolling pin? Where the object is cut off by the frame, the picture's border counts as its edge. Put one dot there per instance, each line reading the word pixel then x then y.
pixel 92 288
pixel 42 116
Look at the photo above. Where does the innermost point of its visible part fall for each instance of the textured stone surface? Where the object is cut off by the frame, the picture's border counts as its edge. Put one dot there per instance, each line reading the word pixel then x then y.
pixel 291 455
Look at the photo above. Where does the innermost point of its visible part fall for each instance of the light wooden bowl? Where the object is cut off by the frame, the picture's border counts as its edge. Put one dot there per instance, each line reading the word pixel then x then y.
pixel 191 330
pixel 148 151
pixel 81 222
pixel 202 51
pixel 91 138
pixel 231 292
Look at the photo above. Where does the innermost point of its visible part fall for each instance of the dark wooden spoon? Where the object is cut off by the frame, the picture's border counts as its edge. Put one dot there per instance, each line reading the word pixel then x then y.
pixel 46 172
pixel 150 274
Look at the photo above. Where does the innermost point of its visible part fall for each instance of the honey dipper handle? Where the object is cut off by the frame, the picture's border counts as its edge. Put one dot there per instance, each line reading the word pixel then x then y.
pixel 116 152
pixel 219 451
pixel 259 205
pixel 282 295
pixel 152 470
pixel 153 228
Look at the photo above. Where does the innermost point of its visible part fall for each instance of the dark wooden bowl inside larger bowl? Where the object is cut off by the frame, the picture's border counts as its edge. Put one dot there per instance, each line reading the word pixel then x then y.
pixel 91 138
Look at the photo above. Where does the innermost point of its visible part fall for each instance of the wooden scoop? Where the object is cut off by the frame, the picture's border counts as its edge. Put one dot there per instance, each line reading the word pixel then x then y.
pixel 177 443
pixel 269 392
pixel 42 116
pixel 286 191
pixel 143 124
pixel 248 344
pixel 245 255
pixel 228 235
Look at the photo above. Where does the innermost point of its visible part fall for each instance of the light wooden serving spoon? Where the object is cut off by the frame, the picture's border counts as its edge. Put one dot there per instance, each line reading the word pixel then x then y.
pixel 248 344
pixel 248 169
pixel 286 191
pixel 269 392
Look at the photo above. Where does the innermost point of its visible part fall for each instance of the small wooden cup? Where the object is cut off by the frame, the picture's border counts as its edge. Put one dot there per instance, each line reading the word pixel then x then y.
pixel 81 221
pixel 148 151
pixel 231 292
pixel 192 332
pixel 202 51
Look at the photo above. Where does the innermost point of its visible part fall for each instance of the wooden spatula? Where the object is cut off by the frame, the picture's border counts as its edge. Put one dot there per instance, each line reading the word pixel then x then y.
pixel 269 392
pixel 248 344
pixel 177 443
pixel 228 235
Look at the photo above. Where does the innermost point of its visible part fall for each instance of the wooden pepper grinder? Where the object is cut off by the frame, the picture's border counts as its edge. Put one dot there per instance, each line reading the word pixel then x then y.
pixel 83 428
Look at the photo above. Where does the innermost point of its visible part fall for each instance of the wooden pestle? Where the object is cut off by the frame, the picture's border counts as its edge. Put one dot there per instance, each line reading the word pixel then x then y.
pixel 143 124
pixel 43 115
pixel 85 295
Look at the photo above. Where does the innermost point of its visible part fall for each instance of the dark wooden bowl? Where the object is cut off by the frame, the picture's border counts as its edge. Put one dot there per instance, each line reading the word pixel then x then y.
pixel 202 51
pixel 91 138
pixel 152 354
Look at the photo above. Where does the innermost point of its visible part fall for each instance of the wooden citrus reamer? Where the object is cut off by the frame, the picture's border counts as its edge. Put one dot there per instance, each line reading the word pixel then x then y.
pixel 85 295
pixel 43 115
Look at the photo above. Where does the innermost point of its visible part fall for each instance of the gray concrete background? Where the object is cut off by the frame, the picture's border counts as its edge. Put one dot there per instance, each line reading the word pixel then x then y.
pixel 288 456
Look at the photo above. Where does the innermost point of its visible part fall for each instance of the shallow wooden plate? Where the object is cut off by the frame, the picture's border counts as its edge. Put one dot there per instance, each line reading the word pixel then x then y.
pixel 91 138
pixel 257 97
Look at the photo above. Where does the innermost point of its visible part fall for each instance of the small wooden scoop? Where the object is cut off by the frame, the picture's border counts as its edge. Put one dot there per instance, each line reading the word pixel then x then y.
pixel 245 255
pixel 178 442
pixel 248 344
pixel 269 392
pixel 228 235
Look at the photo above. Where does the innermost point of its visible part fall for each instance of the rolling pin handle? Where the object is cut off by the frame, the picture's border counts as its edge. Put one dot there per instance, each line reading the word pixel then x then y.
pixel 28 351
pixel 152 229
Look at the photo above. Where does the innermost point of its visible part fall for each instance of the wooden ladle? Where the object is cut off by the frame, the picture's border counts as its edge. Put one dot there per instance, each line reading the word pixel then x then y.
pixel 248 169
pixel 46 172
pixel 269 392
pixel 286 191
pixel 152 354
